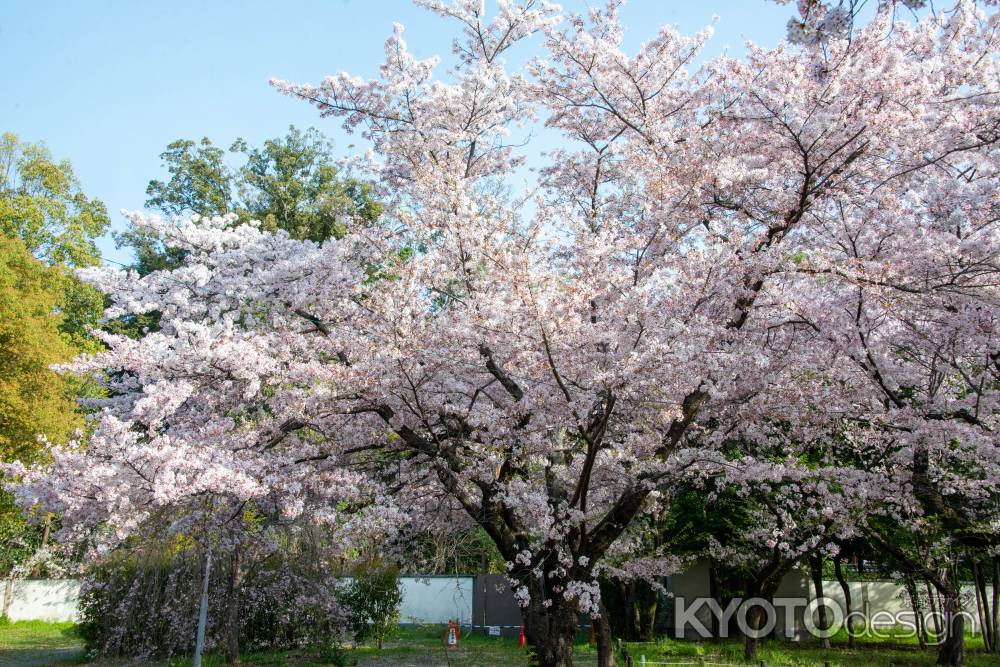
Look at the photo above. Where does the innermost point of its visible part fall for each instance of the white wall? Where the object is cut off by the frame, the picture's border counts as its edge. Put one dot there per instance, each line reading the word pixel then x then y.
pixel 41 599
pixel 892 597
pixel 436 599
pixel 433 599
pixel 425 600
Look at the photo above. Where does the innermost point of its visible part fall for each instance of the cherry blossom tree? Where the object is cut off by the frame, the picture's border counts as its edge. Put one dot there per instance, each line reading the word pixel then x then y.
pixel 794 514
pixel 712 248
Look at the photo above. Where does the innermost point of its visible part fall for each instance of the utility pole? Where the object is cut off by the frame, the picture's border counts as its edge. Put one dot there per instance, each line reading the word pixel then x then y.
pixel 203 610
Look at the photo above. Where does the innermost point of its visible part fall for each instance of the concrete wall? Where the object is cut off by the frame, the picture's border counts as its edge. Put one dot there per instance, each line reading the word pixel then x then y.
pixel 436 599
pixel 872 597
pixel 425 600
pixel 692 584
pixel 440 599
pixel 40 599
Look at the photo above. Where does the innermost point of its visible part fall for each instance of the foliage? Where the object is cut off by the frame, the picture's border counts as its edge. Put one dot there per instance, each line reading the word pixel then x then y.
pixel 142 599
pixel 290 183
pixel 200 181
pixel 458 550
pixel 34 400
pixel 41 203
pixel 371 599
pixel 37 404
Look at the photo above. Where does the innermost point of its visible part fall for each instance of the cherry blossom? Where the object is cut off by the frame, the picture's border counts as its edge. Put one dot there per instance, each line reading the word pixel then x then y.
pixel 717 256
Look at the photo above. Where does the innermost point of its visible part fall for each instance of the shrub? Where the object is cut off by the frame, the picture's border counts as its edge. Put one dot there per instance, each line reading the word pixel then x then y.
pixel 143 602
pixel 371 599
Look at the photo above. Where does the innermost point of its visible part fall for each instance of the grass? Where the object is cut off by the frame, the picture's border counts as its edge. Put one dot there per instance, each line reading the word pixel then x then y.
pixel 410 646
pixel 892 650
pixel 28 644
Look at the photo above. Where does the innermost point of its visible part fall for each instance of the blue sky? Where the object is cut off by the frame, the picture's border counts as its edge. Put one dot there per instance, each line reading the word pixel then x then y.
pixel 109 84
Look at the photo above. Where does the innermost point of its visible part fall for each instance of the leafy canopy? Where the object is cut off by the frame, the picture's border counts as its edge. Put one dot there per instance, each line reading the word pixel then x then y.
pixel 290 183
pixel 41 203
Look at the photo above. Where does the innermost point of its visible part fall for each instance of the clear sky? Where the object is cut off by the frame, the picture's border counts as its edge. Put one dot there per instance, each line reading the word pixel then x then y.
pixel 108 84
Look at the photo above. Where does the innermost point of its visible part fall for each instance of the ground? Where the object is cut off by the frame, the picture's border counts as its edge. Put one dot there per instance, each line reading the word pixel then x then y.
pixel 889 652
pixel 33 644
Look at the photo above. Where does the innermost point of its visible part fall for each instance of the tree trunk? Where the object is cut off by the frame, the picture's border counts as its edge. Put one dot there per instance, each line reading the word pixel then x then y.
pixel 713 591
pixel 935 615
pixel 605 642
pixel 838 571
pixel 549 630
pixel 632 624
pixel 866 605
pixel 816 569
pixel 911 590
pixel 613 597
pixel 996 603
pixel 46 529
pixel 755 619
pixel 8 596
pixel 764 587
pixel 646 600
pixel 982 604
pixel 232 614
pixel 952 650
pixel 755 616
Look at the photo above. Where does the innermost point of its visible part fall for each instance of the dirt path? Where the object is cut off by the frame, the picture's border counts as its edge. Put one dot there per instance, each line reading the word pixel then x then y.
pixel 39 657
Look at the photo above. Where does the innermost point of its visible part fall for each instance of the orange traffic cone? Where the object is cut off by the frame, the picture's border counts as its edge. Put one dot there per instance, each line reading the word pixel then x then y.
pixel 521 641
pixel 451 635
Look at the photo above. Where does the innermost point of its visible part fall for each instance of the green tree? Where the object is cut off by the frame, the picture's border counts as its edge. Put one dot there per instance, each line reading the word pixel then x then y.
pixel 290 183
pixel 34 399
pixel 41 203
pixel 48 227
pixel 372 599
pixel 200 181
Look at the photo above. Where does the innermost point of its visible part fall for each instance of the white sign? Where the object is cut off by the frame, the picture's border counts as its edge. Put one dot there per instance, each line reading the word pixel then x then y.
pixel 494 630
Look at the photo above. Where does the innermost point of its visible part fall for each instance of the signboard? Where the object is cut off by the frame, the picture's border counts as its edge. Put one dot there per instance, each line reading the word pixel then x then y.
pixel 494 631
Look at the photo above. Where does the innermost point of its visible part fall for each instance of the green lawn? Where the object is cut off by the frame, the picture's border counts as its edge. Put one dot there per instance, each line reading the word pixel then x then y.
pixel 412 646
pixel 893 651
pixel 30 644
